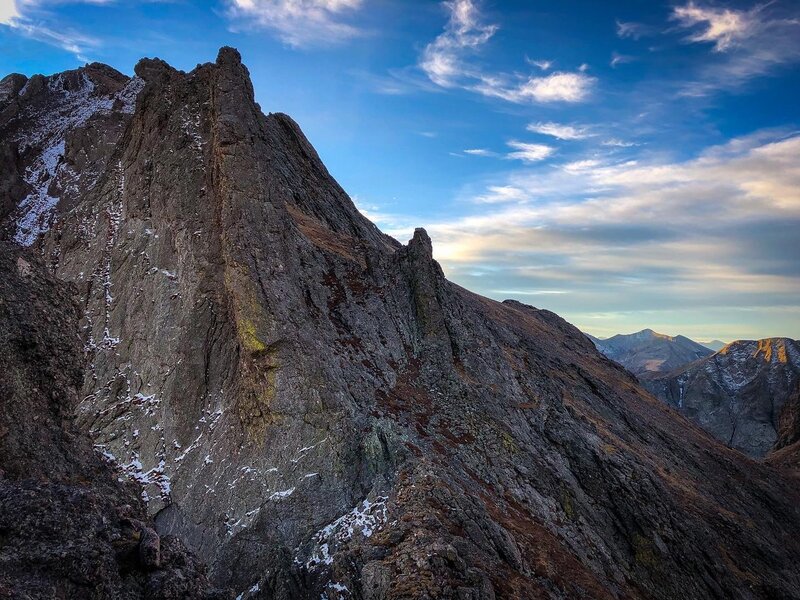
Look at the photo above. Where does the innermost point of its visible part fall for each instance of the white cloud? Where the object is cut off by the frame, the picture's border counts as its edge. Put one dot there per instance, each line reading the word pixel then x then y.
pixel 444 61
pixel 556 87
pixel 581 165
pixel 735 185
pixel 480 152
pixel 298 22
pixel 544 65
pixel 13 12
pixel 633 30
pixel 28 18
pixel 529 152
pixel 618 59
pixel 496 194
pixel 745 43
pixel 560 131
pixel 8 12
pixel 617 143
pixel 724 27
pixel 71 41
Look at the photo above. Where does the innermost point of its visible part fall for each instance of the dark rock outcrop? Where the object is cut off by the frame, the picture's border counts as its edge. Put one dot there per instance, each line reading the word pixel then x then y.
pixel 317 411
pixel 786 452
pixel 789 422
pixel 68 527
pixel 738 393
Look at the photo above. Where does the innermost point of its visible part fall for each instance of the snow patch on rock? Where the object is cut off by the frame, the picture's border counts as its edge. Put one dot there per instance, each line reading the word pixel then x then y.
pixel 365 518
pixel 46 137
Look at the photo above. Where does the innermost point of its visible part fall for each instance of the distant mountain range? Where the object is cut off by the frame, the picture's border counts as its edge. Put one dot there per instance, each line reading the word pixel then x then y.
pixel 647 352
pixel 735 391
pixel 738 393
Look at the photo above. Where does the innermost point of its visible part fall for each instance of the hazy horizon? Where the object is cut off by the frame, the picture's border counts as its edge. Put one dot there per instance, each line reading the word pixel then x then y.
pixel 636 167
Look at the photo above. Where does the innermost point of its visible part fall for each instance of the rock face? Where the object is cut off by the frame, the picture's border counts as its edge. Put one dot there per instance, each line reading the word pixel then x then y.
pixel 68 528
pixel 786 452
pixel 57 135
pixel 317 411
pixel 647 353
pixel 738 393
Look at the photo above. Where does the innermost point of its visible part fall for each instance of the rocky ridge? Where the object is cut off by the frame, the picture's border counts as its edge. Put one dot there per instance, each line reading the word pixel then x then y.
pixel 317 411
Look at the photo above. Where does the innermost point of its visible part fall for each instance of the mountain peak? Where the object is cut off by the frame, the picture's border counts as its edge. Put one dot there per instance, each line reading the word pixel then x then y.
pixel 228 56
pixel 422 243
pixel 154 69
pixel 715 345
pixel 648 352
pixel 233 73
pixel 650 333
pixel 11 85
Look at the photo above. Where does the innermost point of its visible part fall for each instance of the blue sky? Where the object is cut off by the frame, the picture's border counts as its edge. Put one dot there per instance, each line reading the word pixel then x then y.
pixel 625 164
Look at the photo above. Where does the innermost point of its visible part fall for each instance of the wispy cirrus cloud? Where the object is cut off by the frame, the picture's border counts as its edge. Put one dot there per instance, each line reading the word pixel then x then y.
pixel 15 11
pixel 31 19
pixel 480 152
pixel 560 131
pixel 501 194
pixel 528 152
pixel 634 30
pixel 620 59
pixel 298 23
pixel 544 65
pixel 618 143
pixel 556 87
pixel 443 60
pixel 745 43
pixel 723 27
pixel 524 151
pixel 446 61
pixel 577 166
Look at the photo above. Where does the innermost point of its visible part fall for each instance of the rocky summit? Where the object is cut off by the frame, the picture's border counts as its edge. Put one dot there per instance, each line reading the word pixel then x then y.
pixel 312 408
